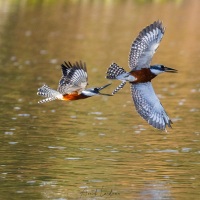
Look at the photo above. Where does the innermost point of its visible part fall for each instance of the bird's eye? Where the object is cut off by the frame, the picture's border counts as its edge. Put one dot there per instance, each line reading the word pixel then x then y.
pixel 162 66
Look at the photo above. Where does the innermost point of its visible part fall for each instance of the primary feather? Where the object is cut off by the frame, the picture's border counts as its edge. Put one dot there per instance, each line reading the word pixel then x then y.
pixel 145 45
pixel 74 78
pixel 148 105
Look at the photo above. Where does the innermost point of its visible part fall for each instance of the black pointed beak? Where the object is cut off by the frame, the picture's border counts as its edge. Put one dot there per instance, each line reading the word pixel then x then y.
pixel 101 88
pixel 171 70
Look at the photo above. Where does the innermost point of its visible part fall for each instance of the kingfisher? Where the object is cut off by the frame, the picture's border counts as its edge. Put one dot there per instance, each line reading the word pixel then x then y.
pixel 141 73
pixel 72 85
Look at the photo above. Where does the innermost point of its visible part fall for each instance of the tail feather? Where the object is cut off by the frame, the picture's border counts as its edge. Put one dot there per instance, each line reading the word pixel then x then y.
pixel 49 93
pixel 119 87
pixel 47 100
pixel 113 71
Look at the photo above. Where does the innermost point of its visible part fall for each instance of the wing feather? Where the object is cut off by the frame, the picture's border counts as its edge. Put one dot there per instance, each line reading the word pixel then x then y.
pixel 148 105
pixel 74 78
pixel 145 45
pixel 66 67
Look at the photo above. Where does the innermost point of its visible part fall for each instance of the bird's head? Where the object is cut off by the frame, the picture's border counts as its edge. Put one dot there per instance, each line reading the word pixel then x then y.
pixel 158 69
pixel 95 91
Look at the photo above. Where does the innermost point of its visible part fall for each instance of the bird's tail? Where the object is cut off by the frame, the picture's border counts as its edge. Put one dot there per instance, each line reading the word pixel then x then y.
pixel 119 87
pixel 113 72
pixel 49 93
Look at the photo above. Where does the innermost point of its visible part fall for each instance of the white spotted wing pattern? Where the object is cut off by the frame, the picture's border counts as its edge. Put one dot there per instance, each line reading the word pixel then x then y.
pixel 148 105
pixel 145 45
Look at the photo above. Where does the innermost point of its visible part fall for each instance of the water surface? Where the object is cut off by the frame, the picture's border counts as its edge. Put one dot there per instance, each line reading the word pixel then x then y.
pixel 97 148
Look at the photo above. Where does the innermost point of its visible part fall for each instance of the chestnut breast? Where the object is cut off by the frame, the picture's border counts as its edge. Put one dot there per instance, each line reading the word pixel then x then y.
pixel 143 75
pixel 74 96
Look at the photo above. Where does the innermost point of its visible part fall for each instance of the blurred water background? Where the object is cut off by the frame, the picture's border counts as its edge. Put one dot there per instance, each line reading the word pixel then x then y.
pixel 98 148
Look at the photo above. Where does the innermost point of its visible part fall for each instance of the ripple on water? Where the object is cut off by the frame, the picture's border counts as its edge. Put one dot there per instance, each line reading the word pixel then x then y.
pixel 176 119
pixel 101 118
pixel 19 191
pixel 168 151
pixel 54 147
pixel 95 113
pixel 73 116
pixel 27 62
pixel 194 90
pixel 73 158
pixel 95 181
pixel 98 149
pixel 181 102
pixel 44 183
pixel 12 143
pixel 53 61
pixel 31 182
pixel 8 133
pixel 102 134
pixel 194 110
pixel 17 108
pixel 114 151
pixel 24 115
pixel 185 149
pixel 43 52
pixel 137 132
pixel 82 133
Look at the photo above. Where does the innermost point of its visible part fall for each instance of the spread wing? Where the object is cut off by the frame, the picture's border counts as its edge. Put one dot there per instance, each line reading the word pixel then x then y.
pixel 74 79
pixel 148 105
pixel 66 67
pixel 145 45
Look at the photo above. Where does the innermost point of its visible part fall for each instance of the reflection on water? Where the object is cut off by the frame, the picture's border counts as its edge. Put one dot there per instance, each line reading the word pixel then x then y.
pixel 97 148
pixel 155 190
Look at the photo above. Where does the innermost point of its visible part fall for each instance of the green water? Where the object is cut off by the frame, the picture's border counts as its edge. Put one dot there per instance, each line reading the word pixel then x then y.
pixel 98 148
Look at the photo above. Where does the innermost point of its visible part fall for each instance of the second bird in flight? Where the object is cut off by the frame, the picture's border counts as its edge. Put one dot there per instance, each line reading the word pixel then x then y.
pixel 142 50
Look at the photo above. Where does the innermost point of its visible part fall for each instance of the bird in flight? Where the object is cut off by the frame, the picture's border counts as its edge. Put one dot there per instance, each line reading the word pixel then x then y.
pixel 142 50
pixel 72 85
